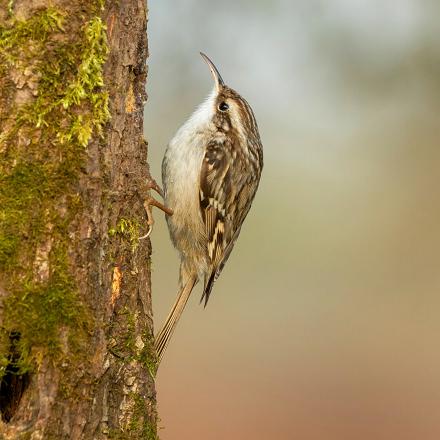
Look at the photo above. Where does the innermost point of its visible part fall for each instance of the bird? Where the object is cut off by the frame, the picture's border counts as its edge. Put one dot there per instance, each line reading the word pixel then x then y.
pixel 210 173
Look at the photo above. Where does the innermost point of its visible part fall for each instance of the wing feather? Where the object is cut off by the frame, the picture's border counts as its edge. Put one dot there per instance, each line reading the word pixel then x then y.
pixel 228 183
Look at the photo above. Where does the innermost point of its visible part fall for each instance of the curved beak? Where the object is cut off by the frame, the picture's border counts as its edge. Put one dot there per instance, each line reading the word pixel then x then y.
pixel 219 83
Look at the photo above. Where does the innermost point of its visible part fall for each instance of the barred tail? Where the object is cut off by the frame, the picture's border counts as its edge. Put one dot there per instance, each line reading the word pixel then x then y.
pixel 164 336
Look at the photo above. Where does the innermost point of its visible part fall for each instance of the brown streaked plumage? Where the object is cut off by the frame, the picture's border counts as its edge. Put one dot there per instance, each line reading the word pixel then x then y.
pixel 210 173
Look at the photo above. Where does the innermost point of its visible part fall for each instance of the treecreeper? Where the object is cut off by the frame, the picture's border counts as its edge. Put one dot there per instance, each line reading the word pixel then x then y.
pixel 210 173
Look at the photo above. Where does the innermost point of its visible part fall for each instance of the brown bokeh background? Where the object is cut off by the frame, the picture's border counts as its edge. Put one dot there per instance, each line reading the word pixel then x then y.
pixel 325 322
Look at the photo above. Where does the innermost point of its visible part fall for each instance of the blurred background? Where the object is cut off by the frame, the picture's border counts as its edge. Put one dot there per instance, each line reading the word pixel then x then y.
pixel 325 322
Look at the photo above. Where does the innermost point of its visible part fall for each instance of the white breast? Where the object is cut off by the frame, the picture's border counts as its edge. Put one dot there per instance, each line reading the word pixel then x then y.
pixel 180 174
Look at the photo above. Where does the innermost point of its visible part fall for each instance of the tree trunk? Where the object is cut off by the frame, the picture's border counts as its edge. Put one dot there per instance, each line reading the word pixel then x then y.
pixel 76 329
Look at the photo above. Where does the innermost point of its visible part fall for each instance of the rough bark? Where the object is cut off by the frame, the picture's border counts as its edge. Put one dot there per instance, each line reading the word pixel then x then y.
pixel 76 329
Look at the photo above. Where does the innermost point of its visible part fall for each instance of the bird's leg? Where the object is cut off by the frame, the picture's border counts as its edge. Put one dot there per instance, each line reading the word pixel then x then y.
pixel 151 201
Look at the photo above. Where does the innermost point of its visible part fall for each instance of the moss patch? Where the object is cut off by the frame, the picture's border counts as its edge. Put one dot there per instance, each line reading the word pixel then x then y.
pixel 55 102
pixel 127 348
pixel 139 423
pixel 139 426
pixel 128 229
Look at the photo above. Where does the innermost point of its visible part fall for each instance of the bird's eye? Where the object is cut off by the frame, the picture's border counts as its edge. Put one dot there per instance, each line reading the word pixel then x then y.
pixel 223 106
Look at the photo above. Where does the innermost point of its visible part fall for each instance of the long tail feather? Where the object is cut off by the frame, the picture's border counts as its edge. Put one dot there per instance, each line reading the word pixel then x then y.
pixel 164 336
pixel 209 284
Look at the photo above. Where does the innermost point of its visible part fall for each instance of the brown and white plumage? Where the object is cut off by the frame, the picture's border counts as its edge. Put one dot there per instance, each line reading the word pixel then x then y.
pixel 210 173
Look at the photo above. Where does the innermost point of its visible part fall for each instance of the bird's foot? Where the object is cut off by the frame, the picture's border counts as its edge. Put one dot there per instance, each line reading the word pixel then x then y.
pixel 151 201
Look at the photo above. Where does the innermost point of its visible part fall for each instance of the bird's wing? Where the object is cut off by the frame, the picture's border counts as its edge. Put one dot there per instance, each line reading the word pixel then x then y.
pixel 228 183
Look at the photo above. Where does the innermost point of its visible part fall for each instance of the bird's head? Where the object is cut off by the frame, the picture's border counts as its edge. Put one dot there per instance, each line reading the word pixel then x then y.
pixel 230 110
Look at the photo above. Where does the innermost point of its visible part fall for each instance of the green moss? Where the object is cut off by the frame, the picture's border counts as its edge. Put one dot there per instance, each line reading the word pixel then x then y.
pixel 37 309
pixel 147 356
pixel 23 202
pixel 36 30
pixel 139 422
pixel 57 302
pixel 63 92
pixel 41 158
pixel 42 154
pixel 125 346
pixel 5 345
pixel 127 229
pixel 139 425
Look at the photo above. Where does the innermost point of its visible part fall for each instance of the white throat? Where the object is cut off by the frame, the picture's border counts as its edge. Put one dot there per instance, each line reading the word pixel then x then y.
pixel 200 119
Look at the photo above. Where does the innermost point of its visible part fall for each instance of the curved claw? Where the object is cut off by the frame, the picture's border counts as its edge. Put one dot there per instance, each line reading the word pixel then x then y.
pixel 150 220
pixel 151 201
pixel 147 234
